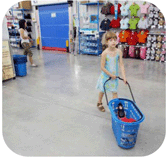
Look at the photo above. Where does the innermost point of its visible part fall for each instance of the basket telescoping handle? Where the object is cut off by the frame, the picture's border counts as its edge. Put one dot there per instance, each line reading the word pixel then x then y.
pixel 122 80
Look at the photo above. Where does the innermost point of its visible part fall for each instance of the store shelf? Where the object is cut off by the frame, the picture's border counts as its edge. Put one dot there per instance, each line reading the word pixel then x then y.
pixel 90 36
pixel 93 3
pixel 156 33
pixel 21 9
pixel 90 53
pixel 13 32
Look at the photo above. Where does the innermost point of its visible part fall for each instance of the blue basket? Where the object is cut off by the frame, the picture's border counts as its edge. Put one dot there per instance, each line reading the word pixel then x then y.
pixel 20 65
pixel 125 133
pixel 19 59
pixel 20 69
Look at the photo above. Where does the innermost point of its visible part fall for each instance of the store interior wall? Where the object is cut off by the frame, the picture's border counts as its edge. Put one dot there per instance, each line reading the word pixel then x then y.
pixel 5 34
pixel 83 9
pixel 45 2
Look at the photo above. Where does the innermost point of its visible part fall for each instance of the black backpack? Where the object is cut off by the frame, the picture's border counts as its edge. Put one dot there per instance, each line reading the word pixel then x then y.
pixel 29 23
pixel 106 8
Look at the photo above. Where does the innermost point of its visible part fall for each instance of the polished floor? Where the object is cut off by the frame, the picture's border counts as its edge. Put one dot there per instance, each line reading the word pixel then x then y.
pixel 52 111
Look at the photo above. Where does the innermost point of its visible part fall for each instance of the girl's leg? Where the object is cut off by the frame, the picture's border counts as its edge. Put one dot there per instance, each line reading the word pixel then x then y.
pixel 100 97
pixel 99 104
pixel 115 95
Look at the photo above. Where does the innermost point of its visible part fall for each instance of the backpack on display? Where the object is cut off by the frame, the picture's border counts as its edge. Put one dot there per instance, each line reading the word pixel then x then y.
pixel 29 23
pixel 125 52
pixel 143 52
pixel 137 53
pixel 152 57
pixel 29 29
pixel 106 8
pixel 132 51
pixel 157 58
pixel 162 59
pixel 28 16
pixel 148 56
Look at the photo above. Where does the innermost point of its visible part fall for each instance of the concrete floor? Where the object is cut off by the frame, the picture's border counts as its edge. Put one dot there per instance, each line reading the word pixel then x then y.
pixel 52 111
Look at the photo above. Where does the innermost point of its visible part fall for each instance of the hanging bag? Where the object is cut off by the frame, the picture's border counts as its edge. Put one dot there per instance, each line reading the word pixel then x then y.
pixel 143 52
pixel 132 51
pixel 106 8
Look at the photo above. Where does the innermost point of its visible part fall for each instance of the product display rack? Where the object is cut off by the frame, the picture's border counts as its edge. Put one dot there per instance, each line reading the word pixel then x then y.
pixel 90 38
pixel 155 30
pixel 14 35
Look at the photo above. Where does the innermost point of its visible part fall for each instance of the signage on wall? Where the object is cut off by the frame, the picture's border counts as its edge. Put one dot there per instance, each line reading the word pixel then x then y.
pixel 35 1
pixel 53 15
pixel 93 18
pixel 46 2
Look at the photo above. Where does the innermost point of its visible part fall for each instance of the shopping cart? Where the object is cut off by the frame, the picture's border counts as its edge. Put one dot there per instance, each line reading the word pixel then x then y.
pixel 125 133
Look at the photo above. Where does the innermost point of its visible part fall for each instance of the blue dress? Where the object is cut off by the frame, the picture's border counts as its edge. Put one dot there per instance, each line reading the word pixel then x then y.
pixel 112 66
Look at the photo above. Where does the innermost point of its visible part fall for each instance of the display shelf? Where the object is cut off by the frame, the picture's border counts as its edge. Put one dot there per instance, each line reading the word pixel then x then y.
pixel 21 9
pixel 91 53
pixel 90 36
pixel 15 24
pixel 92 3
pixel 156 33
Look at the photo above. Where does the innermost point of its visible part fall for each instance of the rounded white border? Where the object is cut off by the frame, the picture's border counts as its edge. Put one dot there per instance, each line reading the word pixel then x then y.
pixel 5 151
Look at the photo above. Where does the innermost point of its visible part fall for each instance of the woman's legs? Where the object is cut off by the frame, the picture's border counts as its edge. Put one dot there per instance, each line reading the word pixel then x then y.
pixel 28 52
pixel 31 60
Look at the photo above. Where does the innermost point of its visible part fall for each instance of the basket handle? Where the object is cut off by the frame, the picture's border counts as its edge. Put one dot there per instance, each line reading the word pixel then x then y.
pixel 119 79
pixel 130 92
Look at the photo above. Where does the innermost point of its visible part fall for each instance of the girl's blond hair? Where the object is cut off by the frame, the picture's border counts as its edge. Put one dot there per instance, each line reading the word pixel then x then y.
pixel 108 35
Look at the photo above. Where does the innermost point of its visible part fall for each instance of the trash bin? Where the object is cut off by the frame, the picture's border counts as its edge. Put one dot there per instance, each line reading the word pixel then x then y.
pixel 20 65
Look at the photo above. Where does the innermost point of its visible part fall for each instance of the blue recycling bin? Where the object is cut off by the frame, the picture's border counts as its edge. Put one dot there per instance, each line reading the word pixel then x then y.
pixel 20 65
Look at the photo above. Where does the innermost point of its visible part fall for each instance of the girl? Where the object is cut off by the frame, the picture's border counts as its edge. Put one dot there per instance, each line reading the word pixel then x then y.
pixel 109 66
pixel 25 41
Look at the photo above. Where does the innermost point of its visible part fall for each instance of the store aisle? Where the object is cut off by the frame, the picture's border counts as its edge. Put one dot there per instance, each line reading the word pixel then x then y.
pixel 52 111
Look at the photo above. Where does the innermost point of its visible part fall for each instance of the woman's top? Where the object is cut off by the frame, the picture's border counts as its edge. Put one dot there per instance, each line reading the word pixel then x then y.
pixel 26 35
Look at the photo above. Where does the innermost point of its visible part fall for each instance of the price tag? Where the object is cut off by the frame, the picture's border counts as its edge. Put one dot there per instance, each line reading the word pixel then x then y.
pixel 53 15
pixel 97 35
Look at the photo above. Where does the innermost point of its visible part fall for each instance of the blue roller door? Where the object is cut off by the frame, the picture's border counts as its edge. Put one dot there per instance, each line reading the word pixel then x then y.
pixel 54 25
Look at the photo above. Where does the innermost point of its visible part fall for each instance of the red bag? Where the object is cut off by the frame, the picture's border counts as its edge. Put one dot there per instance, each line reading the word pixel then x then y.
pixel 129 120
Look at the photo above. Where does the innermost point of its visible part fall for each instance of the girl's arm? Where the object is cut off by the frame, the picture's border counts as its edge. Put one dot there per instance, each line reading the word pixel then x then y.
pixel 22 34
pixel 103 62
pixel 122 66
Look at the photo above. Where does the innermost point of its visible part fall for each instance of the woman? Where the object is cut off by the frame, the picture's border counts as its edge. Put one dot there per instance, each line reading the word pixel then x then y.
pixel 26 41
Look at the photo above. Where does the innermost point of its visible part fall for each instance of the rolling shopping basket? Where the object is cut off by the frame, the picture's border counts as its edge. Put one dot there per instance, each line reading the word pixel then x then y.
pixel 125 133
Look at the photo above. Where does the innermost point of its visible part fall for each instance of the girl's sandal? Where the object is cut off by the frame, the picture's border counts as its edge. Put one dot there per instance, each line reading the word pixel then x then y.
pixel 101 107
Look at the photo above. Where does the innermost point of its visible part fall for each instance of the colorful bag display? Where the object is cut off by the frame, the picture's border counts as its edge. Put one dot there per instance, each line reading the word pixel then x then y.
pixel 143 52
pixel 106 9
pixel 132 51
